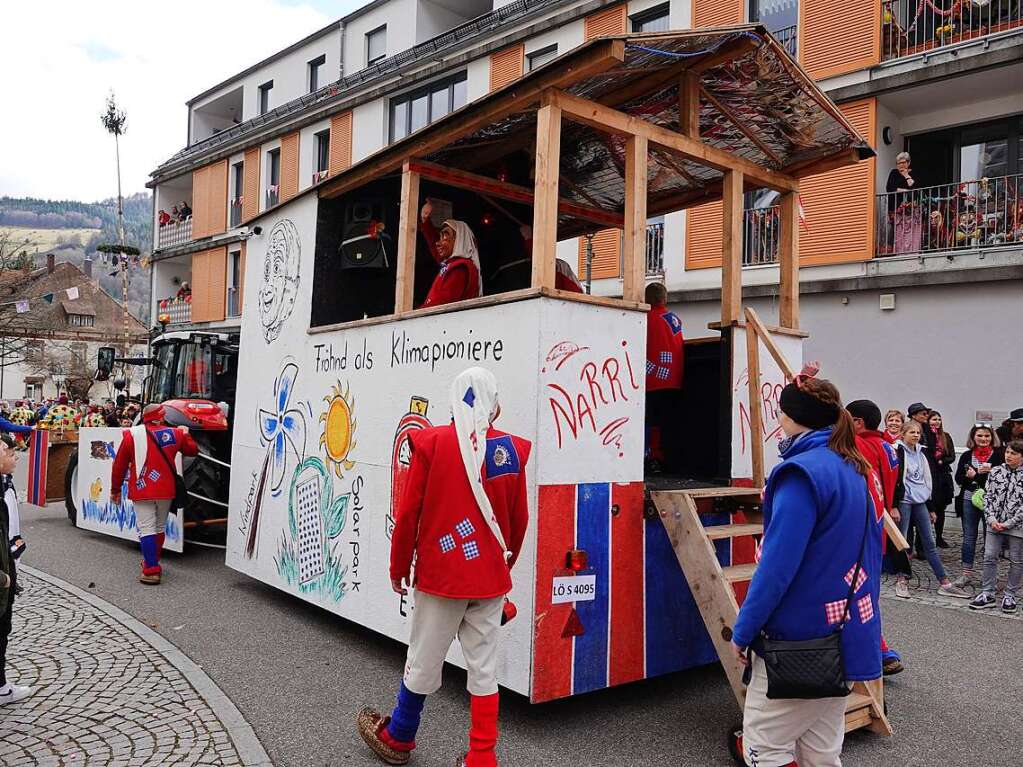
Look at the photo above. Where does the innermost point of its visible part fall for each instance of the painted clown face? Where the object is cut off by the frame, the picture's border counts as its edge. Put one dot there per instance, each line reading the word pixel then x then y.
pixel 280 278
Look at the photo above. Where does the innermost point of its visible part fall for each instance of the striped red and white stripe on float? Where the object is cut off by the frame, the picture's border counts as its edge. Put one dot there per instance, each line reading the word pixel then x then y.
pixel 38 452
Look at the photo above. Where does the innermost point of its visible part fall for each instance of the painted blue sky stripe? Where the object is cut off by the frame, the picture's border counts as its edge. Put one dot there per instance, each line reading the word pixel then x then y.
pixel 593 535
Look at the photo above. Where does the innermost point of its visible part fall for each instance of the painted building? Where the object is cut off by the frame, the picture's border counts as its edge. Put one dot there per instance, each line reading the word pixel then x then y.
pixel 891 275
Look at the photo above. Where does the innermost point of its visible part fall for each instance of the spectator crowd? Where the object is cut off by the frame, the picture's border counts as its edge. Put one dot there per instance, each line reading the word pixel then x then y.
pixel 19 417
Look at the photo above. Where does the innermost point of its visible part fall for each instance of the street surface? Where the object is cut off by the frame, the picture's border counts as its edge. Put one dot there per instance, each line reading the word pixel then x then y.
pixel 299 674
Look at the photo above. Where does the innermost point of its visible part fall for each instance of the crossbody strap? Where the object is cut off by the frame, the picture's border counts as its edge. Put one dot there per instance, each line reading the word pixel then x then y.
pixel 166 460
pixel 859 563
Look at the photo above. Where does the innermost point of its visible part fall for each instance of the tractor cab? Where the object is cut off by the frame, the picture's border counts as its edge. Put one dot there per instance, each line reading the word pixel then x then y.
pixel 194 375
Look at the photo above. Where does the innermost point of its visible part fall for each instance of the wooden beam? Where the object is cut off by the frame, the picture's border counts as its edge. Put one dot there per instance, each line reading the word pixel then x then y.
pixel 634 250
pixel 591 60
pixel 788 261
pixel 724 54
pixel 504 190
pixel 823 165
pixel 689 105
pixel 754 322
pixel 545 208
pixel 742 127
pixel 607 120
pixel 668 159
pixel 756 417
pixel 731 248
pixel 408 223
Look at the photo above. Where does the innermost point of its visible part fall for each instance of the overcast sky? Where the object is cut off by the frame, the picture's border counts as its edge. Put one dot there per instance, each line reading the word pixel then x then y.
pixel 59 60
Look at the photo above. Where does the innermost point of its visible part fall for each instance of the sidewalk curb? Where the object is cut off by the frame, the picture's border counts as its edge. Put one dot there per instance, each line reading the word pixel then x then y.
pixel 245 740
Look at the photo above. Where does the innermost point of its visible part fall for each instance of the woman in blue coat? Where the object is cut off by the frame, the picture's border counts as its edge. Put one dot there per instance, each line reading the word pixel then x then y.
pixel 818 517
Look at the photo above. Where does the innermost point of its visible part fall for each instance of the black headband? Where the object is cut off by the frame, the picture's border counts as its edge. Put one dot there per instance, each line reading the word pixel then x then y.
pixel 805 409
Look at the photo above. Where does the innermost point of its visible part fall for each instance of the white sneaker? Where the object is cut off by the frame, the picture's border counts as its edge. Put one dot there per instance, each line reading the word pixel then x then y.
pixel 951 590
pixel 902 589
pixel 12 693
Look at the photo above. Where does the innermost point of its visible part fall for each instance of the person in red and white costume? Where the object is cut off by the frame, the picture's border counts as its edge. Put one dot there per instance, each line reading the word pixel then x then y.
pixel 463 516
pixel 151 489
pixel 664 365
pixel 453 247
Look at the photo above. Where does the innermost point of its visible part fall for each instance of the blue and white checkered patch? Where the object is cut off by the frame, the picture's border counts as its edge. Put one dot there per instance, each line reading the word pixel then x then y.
pixel 470 549
pixel 153 475
pixel 663 373
pixel 447 543
pixel 464 528
pixel 650 368
pixel 665 358
pixel 140 483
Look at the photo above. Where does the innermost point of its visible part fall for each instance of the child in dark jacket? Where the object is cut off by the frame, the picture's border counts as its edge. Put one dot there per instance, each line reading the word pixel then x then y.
pixel 982 454
pixel 1003 512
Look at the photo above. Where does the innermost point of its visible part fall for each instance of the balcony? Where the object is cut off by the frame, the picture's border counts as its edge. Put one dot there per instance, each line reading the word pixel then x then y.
pixel 760 230
pixel 174 233
pixel 655 249
pixel 909 27
pixel 234 308
pixel 177 310
pixel 789 38
pixel 971 215
pixel 235 211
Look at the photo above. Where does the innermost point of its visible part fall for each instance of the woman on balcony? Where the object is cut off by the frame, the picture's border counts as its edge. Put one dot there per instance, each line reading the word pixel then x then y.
pixel 904 207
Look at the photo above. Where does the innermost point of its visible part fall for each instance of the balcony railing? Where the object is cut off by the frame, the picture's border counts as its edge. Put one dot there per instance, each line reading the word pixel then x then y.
pixel 915 26
pixel 177 310
pixel 319 175
pixel 235 208
pixel 984 213
pixel 655 248
pixel 234 308
pixel 789 38
pixel 175 233
pixel 273 196
pixel 760 230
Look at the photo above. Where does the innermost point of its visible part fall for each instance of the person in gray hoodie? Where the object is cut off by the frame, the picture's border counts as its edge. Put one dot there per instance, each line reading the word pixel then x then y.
pixel 1003 512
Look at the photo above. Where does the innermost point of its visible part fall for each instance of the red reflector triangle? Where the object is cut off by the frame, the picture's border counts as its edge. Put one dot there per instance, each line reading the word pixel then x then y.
pixel 573 626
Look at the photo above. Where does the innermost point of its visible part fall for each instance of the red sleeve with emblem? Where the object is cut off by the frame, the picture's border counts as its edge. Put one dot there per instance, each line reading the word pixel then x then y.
pixel 410 507
pixel 664 350
pixel 518 517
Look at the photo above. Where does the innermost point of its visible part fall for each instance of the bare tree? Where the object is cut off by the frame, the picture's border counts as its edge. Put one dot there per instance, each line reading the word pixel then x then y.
pixel 16 262
pixel 71 359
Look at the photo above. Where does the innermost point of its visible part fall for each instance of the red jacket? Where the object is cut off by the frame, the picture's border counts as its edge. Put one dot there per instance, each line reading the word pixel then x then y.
pixel 458 278
pixel 664 343
pixel 439 521
pixel 156 482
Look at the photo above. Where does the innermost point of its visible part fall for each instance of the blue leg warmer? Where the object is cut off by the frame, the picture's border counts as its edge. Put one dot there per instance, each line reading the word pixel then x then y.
pixel 406 715
pixel 149 550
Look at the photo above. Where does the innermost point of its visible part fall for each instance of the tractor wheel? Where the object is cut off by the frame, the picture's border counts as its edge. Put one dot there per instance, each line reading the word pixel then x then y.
pixel 71 487
pixel 208 480
pixel 735 744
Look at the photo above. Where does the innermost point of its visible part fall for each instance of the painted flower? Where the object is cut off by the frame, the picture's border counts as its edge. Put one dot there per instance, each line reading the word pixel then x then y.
pixel 284 430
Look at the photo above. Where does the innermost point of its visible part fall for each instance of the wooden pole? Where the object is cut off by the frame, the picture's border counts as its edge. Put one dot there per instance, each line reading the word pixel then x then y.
pixel 756 420
pixel 754 322
pixel 408 222
pixel 788 261
pixel 634 278
pixel 689 105
pixel 731 248
pixel 545 193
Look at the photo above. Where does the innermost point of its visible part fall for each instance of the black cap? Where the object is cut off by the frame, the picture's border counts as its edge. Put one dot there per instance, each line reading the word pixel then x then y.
pixel 1016 415
pixel 917 407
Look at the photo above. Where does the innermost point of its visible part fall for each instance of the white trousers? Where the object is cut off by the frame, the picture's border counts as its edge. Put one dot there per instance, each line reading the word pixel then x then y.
pixel 436 621
pixel 778 732
pixel 151 516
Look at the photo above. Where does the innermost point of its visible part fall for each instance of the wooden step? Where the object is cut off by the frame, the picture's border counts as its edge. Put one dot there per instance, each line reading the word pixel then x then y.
pixel 738 573
pixel 717 532
pixel 856 701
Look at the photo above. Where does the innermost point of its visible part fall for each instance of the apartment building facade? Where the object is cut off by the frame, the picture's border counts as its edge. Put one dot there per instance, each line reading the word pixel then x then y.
pixel 893 273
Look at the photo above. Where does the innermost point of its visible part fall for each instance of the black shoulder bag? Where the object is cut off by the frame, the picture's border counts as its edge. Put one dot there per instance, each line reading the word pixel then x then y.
pixel 180 491
pixel 811 668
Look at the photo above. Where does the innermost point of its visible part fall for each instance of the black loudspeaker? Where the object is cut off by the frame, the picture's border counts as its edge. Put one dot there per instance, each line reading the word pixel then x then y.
pixel 366 242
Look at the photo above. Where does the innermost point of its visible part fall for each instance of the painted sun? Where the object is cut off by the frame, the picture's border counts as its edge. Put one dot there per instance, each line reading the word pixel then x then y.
pixel 338 436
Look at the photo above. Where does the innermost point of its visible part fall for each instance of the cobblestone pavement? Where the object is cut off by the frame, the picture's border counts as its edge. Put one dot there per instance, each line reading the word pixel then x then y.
pixel 923 586
pixel 104 695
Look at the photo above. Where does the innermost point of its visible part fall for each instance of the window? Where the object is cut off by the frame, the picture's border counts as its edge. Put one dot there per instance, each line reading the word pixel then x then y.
pixel 264 97
pixel 417 109
pixel 321 159
pixel 781 18
pixel 234 283
pixel 376 45
pixel 237 185
pixel 538 58
pixel 651 20
pixel 81 320
pixel 314 72
pixel 273 177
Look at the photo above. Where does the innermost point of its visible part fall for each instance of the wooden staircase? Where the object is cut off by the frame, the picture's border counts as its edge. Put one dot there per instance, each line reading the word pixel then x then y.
pixel 713 586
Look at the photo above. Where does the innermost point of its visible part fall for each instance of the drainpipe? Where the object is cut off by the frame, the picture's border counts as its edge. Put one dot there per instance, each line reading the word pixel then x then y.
pixel 341 52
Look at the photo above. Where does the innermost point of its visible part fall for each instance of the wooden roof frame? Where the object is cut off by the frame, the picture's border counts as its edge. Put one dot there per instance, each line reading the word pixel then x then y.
pixel 547 88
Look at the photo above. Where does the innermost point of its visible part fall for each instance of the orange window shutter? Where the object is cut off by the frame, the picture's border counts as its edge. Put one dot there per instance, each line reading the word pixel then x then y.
pixel 704 225
pixel 200 202
pixel 835 38
pixel 839 205
pixel 610 21
pixel 506 66
pixel 250 184
pixel 718 13
pixel 607 255
pixel 289 165
pixel 217 276
pixel 216 200
pixel 340 143
pixel 200 287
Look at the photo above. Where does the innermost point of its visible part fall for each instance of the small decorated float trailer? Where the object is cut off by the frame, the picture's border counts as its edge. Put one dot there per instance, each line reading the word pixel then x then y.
pixel 340 367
